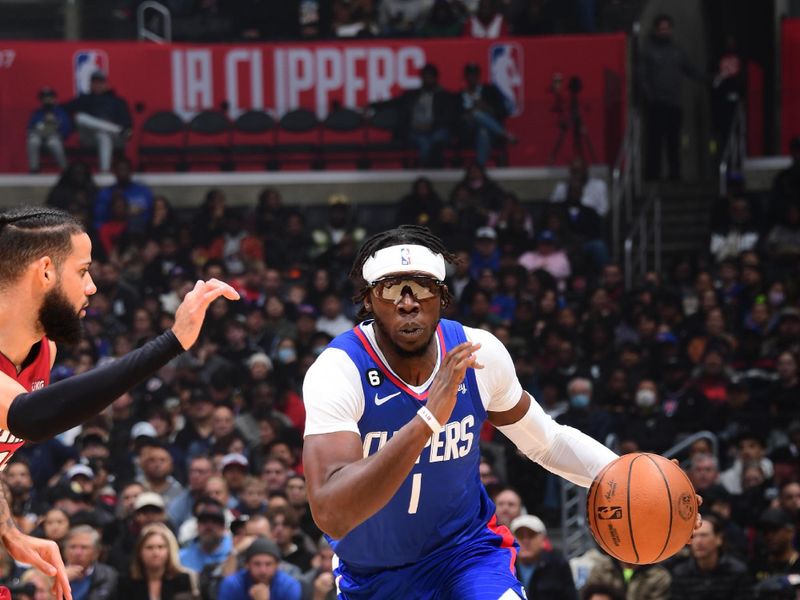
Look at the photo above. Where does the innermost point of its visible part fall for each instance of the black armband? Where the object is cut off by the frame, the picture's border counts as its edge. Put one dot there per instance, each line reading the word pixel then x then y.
pixel 39 415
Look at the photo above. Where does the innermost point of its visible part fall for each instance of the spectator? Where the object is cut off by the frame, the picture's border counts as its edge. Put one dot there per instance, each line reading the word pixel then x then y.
pixel 88 578
pixel 443 21
pixel 599 591
pixel 234 468
pixel 148 508
pixel 727 90
pixel 709 573
pixel 138 196
pixel 102 117
pixel 217 490
pixel 156 570
pixel 285 531
pixel 482 113
pixel 332 320
pixel 212 544
pixel 353 18
pixel 663 65
pixel 260 579
pixel 548 256
pixel 426 113
pixel 48 126
pixel 157 466
pixel 402 18
pixel 782 243
pixel 318 582
pixel 583 414
pixel 593 190
pixel 779 556
pixel 738 235
pixel 786 185
pixel 55 526
pixel 421 206
pixel 750 449
pixel 180 508
pixel 703 472
pixel 42 586
pixel 543 571
pixel 508 505
pixel 645 421
pixel 75 191
pixel 486 254
pixel 487 22
pixel 633 582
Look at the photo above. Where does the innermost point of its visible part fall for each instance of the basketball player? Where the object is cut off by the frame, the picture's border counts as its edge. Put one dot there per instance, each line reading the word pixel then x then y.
pixel 44 290
pixel 394 411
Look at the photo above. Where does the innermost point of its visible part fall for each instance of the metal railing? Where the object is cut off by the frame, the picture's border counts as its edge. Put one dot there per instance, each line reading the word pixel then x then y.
pixel 735 151
pixel 643 237
pixel 625 180
pixel 148 13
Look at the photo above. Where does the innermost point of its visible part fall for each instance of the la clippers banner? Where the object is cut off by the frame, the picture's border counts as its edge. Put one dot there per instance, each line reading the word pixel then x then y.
pixel 790 82
pixel 280 77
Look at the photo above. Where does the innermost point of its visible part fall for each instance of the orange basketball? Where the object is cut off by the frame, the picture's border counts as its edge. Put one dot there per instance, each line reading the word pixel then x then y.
pixel 641 508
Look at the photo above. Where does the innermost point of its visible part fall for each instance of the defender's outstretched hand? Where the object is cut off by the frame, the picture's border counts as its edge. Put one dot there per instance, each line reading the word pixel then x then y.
pixel 192 311
pixel 41 554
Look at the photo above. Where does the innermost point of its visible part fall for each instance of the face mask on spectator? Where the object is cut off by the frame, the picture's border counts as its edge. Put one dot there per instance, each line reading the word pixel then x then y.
pixel 286 355
pixel 579 400
pixel 776 298
pixel 645 398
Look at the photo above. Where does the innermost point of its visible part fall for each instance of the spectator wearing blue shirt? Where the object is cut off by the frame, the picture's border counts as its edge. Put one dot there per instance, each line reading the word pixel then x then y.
pixel 48 126
pixel 139 197
pixel 212 544
pixel 486 254
pixel 260 579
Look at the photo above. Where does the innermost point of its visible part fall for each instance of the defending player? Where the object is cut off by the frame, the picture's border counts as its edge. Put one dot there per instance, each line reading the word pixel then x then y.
pixel 44 290
pixel 394 410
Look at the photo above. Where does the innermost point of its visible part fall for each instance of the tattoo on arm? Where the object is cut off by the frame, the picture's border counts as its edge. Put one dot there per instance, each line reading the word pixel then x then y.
pixel 7 522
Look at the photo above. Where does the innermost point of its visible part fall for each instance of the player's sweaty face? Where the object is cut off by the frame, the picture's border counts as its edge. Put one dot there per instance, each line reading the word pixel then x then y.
pixel 408 322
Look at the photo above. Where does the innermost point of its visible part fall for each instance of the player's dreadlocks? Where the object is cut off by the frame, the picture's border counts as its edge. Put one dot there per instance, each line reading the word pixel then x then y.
pixel 404 234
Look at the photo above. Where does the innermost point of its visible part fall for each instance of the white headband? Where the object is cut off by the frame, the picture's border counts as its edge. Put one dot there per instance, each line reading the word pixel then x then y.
pixel 404 258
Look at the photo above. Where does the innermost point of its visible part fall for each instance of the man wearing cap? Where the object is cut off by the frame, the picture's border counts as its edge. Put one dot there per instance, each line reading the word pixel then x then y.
pixel 48 126
pixel 339 225
pixel 235 468
pixel 102 117
pixel 213 542
pixel 543 571
pixel 156 464
pixel 486 254
pixel 394 412
pixel 780 557
pixel 260 579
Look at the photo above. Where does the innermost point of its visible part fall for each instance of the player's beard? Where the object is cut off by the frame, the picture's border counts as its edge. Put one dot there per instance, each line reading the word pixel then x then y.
pixel 59 319
pixel 402 352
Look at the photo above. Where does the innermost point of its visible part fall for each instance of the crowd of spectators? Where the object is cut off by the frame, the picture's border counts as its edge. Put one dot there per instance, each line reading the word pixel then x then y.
pixel 193 482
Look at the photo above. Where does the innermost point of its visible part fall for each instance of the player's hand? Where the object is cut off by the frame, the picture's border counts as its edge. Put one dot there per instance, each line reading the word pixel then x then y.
pixel 192 311
pixel 44 555
pixel 444 388
pixel 259 591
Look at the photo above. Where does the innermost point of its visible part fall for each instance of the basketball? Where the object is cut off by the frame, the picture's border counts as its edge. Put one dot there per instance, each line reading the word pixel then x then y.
pixel 641 508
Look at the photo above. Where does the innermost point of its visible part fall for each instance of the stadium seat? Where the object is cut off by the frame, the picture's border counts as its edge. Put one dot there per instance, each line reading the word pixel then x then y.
pixel 162 138
pixel 208 140
pixel 343 137
pixel 382 142
pixel 253 138
pixel 298 139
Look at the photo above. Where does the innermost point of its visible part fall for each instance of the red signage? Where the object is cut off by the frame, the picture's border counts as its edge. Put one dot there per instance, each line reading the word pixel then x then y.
pixel 790 82
pixel 190 78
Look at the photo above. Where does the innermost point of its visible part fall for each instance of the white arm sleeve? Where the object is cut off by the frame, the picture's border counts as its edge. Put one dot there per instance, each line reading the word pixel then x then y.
pixel 332 394
pixel 558 448
pixel 498 385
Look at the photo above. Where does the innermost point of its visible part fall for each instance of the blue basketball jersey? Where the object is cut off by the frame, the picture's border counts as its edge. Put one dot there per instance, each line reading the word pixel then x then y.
pixel 442 502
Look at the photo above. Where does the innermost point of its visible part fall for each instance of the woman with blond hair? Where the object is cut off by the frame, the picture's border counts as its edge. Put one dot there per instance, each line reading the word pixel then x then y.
pixel 156 572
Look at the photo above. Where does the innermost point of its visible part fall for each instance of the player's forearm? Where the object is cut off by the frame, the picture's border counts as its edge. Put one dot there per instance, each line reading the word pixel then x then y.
pixel 41 414
pixel 358 490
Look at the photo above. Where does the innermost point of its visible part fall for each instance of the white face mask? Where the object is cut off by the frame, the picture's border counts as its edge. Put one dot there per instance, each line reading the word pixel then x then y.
pixel 645 398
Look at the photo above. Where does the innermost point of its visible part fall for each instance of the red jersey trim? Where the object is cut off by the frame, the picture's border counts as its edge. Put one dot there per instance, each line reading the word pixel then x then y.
pixel 507 542
pixel 384 367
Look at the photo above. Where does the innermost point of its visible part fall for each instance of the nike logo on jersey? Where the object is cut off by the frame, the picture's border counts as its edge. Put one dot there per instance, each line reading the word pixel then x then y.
pixel 379 401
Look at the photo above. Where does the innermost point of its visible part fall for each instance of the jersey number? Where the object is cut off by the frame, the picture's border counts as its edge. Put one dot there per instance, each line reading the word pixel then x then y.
pixel 416 484
pixel 374 378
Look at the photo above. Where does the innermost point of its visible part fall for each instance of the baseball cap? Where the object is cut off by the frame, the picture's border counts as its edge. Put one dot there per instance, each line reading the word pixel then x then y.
pixel 206 508
pixel 262 545
pixel 234 458
pixel 486 233
pixel 148 499
pixel 775 518
pixel 338 199
pixel 531 522
pixel 143 428
pixel 99 75
pixel 259 357
pixel 79 469
pixel 546 236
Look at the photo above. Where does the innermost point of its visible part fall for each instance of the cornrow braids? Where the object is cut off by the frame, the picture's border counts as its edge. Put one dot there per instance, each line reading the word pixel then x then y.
pixel 404 234
pixel 28 233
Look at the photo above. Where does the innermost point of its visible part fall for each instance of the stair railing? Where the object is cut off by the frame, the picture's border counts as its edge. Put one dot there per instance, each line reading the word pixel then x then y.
pixel 148 10
pixel 644 238
pixel 735 152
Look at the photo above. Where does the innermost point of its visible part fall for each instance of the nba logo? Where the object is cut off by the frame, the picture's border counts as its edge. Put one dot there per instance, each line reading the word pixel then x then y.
pixel 84 63
pixel 506 72
pixel 405 256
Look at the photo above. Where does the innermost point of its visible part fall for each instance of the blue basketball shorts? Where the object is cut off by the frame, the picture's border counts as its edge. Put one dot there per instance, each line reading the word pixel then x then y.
pixel 480 569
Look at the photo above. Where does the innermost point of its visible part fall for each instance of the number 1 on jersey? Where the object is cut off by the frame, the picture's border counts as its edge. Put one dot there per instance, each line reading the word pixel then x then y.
pixel 416 484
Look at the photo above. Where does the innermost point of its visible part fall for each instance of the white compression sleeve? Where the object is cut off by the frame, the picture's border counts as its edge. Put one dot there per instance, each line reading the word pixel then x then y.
pixel 558 448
